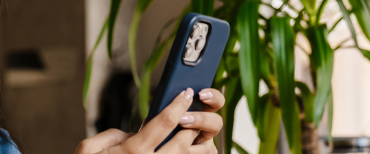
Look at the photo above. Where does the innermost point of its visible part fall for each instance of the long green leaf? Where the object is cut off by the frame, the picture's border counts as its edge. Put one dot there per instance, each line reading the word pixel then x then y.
pixel 150 65
pixel 247 26
pixel 140 8
pixel 322 59
pixel 366 53
pixel 335 25
pixel 90 62
pixel 283 40
pixel 348 19
pixel 361 8
pixel 114 9
pixel 202 6
pixel 330 117
pixel 260 122
pixel 272 124
pixel 308 99
pixel 239 148
pixel 233 93
pixel 320 11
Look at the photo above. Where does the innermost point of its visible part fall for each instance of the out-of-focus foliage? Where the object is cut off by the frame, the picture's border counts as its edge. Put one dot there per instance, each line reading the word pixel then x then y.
pixel 268 57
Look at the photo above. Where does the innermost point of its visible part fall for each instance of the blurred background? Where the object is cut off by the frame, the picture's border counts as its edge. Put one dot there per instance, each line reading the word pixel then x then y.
pixel 43 50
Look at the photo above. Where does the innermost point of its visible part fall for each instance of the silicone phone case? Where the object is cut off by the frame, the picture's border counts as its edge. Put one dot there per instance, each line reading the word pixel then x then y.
pixel 177 76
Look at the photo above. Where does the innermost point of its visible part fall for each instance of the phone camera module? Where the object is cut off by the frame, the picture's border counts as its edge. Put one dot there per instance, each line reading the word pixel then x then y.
pixel 196 42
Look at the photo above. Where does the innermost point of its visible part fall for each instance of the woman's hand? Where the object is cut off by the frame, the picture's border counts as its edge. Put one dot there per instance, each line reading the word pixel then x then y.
pixel 195 138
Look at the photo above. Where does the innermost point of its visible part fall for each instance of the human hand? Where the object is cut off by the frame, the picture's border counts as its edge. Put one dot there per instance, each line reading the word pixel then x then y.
pixel 154 132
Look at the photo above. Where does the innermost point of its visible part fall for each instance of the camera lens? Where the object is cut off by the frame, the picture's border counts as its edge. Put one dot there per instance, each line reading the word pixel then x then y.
pixel 189 50
pixel 199 44
pixel 196 31
pixel 205 29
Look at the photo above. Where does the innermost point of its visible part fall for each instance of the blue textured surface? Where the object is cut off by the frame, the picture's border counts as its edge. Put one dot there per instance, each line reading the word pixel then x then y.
pixel 7 146
pixel 181 76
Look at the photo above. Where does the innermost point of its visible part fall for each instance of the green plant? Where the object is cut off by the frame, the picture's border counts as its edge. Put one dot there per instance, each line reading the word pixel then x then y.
pixel 266 53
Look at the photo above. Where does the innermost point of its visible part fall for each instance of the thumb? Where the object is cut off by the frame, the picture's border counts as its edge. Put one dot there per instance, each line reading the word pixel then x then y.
pixel 102 141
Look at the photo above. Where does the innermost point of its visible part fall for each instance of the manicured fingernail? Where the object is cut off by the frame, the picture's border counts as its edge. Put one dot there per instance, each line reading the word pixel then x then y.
pixel 189 93
pixel 205 95
pixel 186 119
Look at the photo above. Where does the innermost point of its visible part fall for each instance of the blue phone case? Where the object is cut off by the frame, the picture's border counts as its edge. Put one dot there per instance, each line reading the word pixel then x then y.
pixel 177 76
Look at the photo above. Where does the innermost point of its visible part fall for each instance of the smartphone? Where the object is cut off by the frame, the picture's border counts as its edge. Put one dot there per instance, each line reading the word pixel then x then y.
pixel 192 62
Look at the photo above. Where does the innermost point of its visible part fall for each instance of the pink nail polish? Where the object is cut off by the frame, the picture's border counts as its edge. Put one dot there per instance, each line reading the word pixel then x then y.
pixel 205 95
pixel 186 119
pixel 189 93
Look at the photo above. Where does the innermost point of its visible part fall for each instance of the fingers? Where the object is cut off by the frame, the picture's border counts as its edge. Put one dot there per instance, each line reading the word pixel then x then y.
pixel 180 142
pixel 206 147
pixel 102 141
pixel 209 123
pixel 156 130
pixel 213 99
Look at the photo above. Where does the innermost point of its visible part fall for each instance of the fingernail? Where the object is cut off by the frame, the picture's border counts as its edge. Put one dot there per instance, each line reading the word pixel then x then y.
pixel 205 95
pixel 186 119
pixel 189 93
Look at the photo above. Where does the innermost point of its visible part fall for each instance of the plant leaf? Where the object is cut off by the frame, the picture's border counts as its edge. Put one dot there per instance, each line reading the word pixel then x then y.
pixel 150 65
pixel 348 19
pixel 233 93
pixel 90 62
pixel 335 25
pixel 330 117
pixel 247 26
pixel 366 53
pixel 114 9
pixel 308 99
pixel 202 6
pixel 239 148
pixel 282 39
pixel 260 122
pixel 272 124
pixel 322 59
pixel 320 10
pixel 361 9
pixel 141 6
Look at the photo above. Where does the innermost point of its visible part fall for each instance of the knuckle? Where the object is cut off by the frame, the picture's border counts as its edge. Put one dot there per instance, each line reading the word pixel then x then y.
pixel 85 143
pixel 214 150
pixel 184 102
pixel 168 121
pixel 211 149
pixel 220 120
pixel 220 123
pixel 182 146
pixel 114 130
pixel 221 100
pixel 135 150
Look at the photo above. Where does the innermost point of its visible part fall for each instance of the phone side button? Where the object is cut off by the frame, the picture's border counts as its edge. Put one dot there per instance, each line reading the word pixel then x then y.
pixel 166 72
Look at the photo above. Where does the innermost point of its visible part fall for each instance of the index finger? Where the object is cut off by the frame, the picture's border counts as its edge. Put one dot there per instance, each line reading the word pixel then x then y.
pixel 212 98
pixel 157 129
